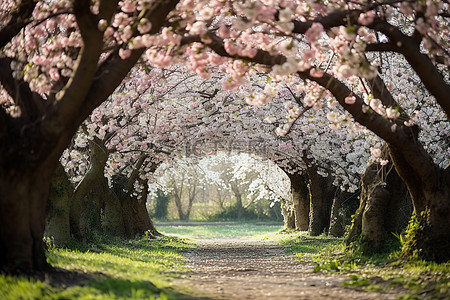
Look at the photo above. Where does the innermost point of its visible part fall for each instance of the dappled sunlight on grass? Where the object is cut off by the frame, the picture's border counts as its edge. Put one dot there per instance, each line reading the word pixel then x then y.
pixel 379 272
pixel 117 269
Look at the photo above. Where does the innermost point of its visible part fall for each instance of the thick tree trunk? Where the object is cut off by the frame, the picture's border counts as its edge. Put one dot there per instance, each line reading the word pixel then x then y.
pixel 385 207
pixel 112 221
pixel 373 229
pixel 321 200
pixel 58 208
pixel 137 222
pixel 300 200
pixel 429 237
pixel 23 197
pixel 93 196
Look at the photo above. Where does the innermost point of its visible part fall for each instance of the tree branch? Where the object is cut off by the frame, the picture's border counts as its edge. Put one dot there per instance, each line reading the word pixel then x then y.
pixel 31 104
pixel 19 20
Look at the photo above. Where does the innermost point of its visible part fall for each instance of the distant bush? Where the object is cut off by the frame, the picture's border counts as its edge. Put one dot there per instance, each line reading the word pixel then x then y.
pixel 235 212
pixel 162 204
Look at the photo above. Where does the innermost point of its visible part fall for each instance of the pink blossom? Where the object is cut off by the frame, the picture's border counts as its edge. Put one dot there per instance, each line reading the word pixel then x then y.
pixel 350 100
pixel 314 32
pixel 124 53
pixel 144 26
pixel 317 73
pixel 128 6
pixel 366 18
pixel 231 47
pixel 224 32
pixel 384 162
pixel 280 131
pixel 102 25
pixel 121 20
pixel 266 13
pixel 54 74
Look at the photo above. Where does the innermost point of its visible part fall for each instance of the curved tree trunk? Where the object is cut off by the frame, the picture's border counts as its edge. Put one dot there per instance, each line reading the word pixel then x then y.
pixel 134 210
pixel 300 200
pixel 58 208
pixel 92 196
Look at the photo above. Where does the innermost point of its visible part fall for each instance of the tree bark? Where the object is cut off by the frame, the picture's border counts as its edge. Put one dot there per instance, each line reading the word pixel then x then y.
pixel 300 200
pixel 342 208
pixel 92 196
pixel 287 210
pixel 321 200
pixel 137 222
pixel 429 238
pixel 31 144
pixel 385 207
pixel 23 197
pixel 58 208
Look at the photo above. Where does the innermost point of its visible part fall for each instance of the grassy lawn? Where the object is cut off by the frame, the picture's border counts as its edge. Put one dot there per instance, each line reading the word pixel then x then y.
pixel 225 230
pixel 143 268
pixel 108 269
pixel 414 279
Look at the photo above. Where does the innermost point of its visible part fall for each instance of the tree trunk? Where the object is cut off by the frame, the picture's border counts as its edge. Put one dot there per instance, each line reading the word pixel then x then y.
pixel 93 196
pixel 428 237
pixel 341 210
pixel 300 200
pixel 287 210
pixel 321 200
pixel 58 208
pixel 384 207
pixel 137 221
pixel 23 197
pixel 112 221
pixel 373 230
pixel 238 196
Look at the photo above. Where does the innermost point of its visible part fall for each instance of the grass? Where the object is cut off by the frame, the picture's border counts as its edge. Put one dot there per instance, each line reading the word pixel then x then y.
pixel 143 268
pixel 113 269
pixel 222 231
pixel 414 279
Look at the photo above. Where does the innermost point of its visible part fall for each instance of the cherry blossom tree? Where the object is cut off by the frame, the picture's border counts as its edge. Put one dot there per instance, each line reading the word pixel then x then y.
pixel 60 60
pixel 57 65
pixel 333 48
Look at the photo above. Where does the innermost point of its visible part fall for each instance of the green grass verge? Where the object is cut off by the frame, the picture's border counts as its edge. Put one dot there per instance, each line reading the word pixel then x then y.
pixel 414 279
pixel 111 268
pixel 220 231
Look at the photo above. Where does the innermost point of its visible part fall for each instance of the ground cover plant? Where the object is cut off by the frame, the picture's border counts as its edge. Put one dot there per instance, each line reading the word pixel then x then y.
pixel 108 268
pixel 382 272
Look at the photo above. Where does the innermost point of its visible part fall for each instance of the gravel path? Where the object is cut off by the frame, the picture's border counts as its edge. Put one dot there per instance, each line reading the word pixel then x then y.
pixel 239 268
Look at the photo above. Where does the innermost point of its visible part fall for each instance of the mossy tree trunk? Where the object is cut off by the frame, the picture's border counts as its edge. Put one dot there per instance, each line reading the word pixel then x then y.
pixel 57 225
pixel 384 209
pixel 94 207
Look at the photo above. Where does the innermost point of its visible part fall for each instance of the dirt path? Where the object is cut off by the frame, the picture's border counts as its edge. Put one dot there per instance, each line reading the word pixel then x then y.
pixel 238 268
